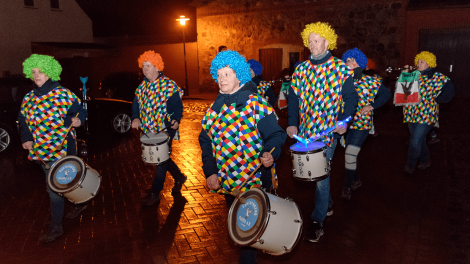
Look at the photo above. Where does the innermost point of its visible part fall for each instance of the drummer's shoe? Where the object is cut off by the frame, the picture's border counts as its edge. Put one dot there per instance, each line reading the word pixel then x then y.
pixel 408 171
pixel 76 211
pixel 433 140
pixel 355 185
pixel 346 194
pixel 151 199
pixel 315 234
pixel 178 185
pixel 330 211
pixel 53 232
pixel 424 164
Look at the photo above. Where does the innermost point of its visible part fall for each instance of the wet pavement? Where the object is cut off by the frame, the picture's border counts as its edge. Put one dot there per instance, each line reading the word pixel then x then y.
pixel 390 219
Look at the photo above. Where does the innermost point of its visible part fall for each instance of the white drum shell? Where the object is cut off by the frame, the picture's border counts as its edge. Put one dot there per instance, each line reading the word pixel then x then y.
pixel 310 166
pixel 156 151
pixel 282 226
pixel 87 189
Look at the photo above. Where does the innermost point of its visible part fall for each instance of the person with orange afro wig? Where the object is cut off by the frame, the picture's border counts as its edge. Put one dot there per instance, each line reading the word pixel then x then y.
pixel 157 110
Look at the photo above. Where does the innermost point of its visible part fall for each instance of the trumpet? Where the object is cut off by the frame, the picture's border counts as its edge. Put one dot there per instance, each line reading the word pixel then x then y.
pixel 390 69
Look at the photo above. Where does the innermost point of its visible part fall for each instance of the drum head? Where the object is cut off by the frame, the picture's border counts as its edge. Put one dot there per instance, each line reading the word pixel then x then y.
pixel 300 147
pixel 65 174
pixel 247 220
pixel 154 139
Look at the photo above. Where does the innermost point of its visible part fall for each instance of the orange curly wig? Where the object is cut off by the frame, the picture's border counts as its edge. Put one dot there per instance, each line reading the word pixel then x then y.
pixel 151 57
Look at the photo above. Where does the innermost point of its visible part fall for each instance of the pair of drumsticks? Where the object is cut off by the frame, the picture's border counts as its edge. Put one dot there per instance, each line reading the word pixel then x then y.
pixel 58 147
pixel 236 192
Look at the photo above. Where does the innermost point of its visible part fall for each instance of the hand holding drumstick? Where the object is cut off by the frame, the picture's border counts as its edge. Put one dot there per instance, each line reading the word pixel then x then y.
pixel 75 123
pixel 29 146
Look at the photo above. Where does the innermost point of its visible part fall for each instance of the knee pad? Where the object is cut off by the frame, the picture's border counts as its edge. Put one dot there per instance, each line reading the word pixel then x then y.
pixel 351 157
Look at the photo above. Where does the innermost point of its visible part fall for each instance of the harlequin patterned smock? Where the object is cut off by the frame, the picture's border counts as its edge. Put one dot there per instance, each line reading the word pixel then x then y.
pixel 319 90
pixel 367 88
pixel 45 117
pixel 152 99
pixel 236 141
pixel 425 111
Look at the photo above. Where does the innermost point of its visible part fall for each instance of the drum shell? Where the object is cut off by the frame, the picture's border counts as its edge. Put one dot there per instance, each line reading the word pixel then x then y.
pixel 156 153
pixel 280 230
pixel 310 165
pixel 84 189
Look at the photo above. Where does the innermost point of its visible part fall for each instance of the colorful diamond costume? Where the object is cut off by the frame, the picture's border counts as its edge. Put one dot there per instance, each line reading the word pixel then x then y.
pixel 45 118
pixel 425 111
pixel 367 88
pixel 319 90
pixel 236 141
pixel 152 98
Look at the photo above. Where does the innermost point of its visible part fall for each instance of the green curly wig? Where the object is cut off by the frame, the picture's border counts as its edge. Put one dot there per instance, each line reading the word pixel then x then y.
pixel 324 30
pixel 428 57
pixel 46 64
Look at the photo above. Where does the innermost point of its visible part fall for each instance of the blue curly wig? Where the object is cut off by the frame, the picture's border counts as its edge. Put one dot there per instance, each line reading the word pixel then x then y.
pixel 356 54
pixel 234 61
pixel 256 66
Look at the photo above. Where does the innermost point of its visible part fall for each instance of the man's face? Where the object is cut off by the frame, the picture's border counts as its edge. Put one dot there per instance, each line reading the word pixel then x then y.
pixel 149 71
pixel 422 65
pixel 352 63
pixel 39 77
pixel 317 44
pixel 227 80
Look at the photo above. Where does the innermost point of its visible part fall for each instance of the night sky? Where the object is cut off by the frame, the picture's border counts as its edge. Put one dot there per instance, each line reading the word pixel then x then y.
pixel 148 17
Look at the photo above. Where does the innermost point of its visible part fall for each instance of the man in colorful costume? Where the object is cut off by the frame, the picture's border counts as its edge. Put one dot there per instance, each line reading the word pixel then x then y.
pixel 45 116
pixel 238 131
pixel 263 87
pixel 372 94
pixel 157 106
pixel 322 92
pixel 434 88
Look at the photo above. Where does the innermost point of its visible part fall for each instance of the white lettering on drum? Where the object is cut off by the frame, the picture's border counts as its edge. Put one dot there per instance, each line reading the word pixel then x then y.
pixel 301 165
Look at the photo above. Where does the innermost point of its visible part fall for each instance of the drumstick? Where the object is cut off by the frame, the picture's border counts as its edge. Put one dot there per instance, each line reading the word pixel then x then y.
pixel 329 129
pixel 63 140
pixel 37 156
pixel 236 192
pixel 143 132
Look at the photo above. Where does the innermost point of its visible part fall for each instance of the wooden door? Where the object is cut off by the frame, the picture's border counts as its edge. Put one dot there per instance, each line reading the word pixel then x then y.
pixel 271 60
pixel 451 47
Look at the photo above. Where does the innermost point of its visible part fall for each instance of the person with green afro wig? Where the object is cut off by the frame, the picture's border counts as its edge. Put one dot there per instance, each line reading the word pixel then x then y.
pixel 46 64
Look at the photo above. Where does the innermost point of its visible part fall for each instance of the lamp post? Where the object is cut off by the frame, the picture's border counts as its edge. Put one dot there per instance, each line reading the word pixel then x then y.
pixel 182 21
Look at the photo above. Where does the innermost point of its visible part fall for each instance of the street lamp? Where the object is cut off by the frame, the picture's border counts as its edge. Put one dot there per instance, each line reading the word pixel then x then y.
pixel 182 21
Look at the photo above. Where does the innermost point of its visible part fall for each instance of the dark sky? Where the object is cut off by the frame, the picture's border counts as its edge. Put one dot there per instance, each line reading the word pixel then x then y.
pixel 148 17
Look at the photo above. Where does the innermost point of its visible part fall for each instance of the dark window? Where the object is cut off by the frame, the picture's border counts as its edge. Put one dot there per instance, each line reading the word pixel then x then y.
pixel 55 4
pixel 29 2
pixel 293 58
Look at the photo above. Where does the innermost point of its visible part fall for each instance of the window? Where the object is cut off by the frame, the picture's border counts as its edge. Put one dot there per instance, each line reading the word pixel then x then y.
pixel 55 4
pixel 29 3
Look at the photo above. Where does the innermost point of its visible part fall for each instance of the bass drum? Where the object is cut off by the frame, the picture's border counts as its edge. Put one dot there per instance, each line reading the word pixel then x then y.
pixel 74 179
pixel 265 221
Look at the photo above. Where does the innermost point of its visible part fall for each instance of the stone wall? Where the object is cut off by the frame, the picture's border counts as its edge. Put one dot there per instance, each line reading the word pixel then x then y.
pixel 374 26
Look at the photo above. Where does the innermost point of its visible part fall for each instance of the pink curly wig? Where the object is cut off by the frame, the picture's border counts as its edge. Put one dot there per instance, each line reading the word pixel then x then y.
pixel 151 57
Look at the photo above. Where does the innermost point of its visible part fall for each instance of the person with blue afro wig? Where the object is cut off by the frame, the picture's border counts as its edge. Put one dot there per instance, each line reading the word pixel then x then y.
pixel 256 67
pixel 357 55
pixel 239 119
pixel 234 61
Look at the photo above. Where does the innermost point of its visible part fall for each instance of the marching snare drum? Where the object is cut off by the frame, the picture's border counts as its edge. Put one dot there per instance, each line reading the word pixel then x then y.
pixel 265 221
pixel 309 161
pixel 155 148
pixel 75 180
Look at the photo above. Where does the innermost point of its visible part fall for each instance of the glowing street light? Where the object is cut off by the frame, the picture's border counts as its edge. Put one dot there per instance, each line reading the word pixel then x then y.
pixel 182 21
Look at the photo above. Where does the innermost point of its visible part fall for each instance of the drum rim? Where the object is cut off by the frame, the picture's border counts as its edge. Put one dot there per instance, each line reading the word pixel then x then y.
pixel 263 225
pixel 308 152
pixel 155 144
pixel 313 179
pixel 80 181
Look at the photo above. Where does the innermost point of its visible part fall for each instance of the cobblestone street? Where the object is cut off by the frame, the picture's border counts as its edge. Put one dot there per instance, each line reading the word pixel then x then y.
pixel 390 219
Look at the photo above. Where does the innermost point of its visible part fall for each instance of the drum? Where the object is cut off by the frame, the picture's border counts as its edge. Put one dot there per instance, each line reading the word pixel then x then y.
pixel 155 148
pixel 310 161
pixel 265 221
pixel 75 180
